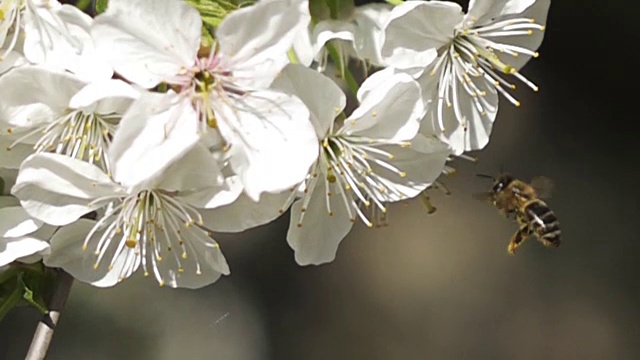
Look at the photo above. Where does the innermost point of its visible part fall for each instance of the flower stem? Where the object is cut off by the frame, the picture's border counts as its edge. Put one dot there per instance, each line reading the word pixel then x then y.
pixel 46 326
pixel 344 69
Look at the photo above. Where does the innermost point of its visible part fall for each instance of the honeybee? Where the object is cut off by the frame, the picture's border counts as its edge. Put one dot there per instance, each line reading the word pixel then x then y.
pixel 512 196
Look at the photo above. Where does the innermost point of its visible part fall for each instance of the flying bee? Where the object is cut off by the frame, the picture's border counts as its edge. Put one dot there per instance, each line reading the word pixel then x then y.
pixel 512 196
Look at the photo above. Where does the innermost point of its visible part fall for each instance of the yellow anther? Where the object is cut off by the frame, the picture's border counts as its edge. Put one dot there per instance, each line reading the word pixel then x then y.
pixel 131 243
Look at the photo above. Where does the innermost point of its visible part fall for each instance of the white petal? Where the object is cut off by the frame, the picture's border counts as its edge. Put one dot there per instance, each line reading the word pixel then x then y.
pixel 67 253
pixel 20 247
pixel 421 163
pixel 208 255
pixel 258 52
pixel 538 11
pixel 379 78
pixel 416 30
pixel 484 11
pixel 16 222
pixel 148 41
pixel 244 213
pixel 304 48
pixel 10 8
pixel 272 141
pixel 328 30
pixel 197 169
pixel 316 241
pixel 11 60
pixel 156 130
pixel 105 97
pixel 12 158
pixel 323 96
pixel 36 87
pixel 391 111
pixel 371 20
pixel 60 39
pixel 215 196
pixel 57 189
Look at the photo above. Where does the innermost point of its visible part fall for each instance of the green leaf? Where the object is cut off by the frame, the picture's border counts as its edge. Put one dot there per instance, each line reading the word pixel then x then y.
pixel 10 296
pixel 101 6
pixel 213 11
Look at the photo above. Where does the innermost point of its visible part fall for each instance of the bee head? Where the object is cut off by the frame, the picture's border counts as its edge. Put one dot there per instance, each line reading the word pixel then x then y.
pixel 501 183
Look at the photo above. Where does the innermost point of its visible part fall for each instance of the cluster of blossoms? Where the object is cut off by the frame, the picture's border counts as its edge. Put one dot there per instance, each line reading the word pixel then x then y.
pixel 132 143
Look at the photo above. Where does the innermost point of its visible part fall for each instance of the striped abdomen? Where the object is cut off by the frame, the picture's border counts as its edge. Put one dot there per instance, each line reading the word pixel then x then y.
pixel 543 222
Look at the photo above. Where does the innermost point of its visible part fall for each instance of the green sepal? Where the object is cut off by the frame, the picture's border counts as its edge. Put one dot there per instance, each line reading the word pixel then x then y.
pixel 331 9
pixel 25 284
pixel 341 9
pixel 33 289
pixel 101 6
pixel 83 5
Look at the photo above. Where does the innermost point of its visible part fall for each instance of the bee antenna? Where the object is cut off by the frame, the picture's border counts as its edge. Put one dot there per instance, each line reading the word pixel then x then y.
pixel 485 176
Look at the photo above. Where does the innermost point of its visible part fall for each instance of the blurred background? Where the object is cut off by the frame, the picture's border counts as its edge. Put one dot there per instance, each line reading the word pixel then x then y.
pixel 438 286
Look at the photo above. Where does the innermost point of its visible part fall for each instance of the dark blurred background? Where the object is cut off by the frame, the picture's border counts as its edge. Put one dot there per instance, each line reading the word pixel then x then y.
pixel 438 286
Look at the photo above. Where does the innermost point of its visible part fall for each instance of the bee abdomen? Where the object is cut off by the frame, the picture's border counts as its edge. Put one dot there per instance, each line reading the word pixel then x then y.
pixel 544 222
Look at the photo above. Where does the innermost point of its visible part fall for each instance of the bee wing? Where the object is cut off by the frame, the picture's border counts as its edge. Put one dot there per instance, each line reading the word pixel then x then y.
pixel 543 185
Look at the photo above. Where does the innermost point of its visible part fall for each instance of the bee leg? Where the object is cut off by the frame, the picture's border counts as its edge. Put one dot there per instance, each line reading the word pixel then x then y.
pixel 518 238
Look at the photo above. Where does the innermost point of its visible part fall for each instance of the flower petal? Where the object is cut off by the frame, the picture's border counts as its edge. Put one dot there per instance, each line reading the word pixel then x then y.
pixel 67 253
pixel 321 95
pixel 464 111
pixel 273 143
pixel 157 130
pixel 58 189
pixel 26 91
pixel 371 19
pixel 204 266
pixel 538 11
pixel 59 38
pixel 12 156
pixel 105 97
pixel 16 222
pixel 391 111
pixel 215 196
pixel 421 164
pixel 11 60
pixel 196 170
pixel 316 241
pixel 148 41
pixel 20 247
pixel 259 50
pixel 244 213
pixel 415 31
pixel 485 11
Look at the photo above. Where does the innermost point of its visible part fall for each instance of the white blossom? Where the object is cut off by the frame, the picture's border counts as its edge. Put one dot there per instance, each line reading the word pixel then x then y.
pixel 22 238
pixel 150 224
pixel 359 36
pixel 371 158
pixel 46 110
pixel 265 134
pixel 462 61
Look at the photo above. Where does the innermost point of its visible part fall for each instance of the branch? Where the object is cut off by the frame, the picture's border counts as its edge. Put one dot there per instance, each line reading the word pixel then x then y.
pixel 46 326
